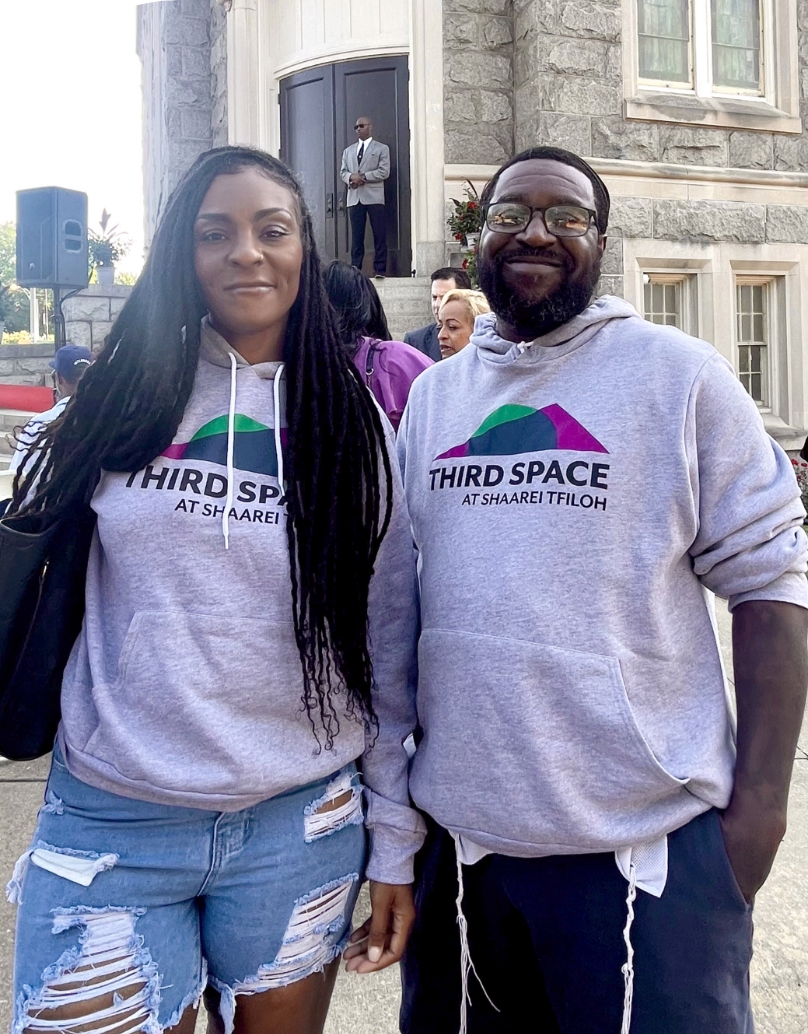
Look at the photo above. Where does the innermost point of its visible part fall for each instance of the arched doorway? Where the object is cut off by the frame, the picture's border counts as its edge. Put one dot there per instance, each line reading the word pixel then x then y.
pixel 318 109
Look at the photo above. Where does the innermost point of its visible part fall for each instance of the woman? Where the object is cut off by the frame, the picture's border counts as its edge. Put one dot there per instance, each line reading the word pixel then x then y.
pixel 456 317
pixel 387 367
pixel 203 813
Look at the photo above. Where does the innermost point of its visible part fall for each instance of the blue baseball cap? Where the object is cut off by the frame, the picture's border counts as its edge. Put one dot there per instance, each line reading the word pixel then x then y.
pixel 71 361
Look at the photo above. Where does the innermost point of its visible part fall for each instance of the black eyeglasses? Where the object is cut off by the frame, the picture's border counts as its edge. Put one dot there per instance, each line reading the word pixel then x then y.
pixel 560 220
pixel 361 125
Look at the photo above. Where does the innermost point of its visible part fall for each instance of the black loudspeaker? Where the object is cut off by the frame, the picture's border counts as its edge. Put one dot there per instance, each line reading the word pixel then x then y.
pixel 52 238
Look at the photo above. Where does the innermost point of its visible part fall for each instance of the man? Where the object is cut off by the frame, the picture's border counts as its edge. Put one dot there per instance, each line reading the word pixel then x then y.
pixel 365 167
pixel 576 478
pixel 68 365
pixel 425 339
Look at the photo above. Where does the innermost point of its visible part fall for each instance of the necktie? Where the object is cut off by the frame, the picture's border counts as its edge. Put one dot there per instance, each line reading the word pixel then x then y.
pixel 360 154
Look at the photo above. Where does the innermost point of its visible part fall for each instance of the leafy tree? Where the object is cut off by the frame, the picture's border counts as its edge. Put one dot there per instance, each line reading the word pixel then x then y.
pixel 14 304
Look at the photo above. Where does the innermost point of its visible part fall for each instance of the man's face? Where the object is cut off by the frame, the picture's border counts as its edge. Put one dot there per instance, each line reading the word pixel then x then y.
pixel 439 289
pixel 533 280
pixel 363 127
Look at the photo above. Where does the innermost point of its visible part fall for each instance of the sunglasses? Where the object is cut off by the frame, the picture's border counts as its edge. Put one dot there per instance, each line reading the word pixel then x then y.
pixel 560 220
pixel 361 125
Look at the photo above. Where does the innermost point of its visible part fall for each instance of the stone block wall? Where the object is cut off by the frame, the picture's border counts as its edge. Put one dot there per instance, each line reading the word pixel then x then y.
pixel 568 91
pixel 478 81
pixel 90 314
pixel 218 70
pixel 174 44
pixel 696 222
pixel 26 364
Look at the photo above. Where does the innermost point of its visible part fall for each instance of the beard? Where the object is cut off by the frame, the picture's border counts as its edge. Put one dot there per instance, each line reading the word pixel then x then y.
pixel 532 319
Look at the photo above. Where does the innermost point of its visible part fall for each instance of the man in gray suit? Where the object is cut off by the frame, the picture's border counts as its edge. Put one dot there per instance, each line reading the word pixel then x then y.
pixel 365 167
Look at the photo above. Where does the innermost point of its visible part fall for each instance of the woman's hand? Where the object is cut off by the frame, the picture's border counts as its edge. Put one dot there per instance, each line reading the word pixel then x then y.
pixel 380 941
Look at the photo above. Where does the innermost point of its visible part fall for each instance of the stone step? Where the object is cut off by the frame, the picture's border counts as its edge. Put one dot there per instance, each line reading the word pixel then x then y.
pixel 406 303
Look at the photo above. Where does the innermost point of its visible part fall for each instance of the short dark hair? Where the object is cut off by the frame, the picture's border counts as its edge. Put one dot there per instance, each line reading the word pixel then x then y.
pixel 460 276
pixel 558 154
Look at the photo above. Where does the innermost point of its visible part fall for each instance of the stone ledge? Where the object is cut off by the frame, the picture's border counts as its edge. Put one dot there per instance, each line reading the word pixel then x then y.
pixel 41 350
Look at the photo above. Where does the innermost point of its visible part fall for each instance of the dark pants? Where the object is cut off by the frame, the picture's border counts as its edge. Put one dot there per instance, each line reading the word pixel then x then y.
pixel 546 938
pixel 378 223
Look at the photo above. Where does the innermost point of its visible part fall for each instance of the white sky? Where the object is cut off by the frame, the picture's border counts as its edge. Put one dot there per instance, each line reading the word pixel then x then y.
pixel 71 107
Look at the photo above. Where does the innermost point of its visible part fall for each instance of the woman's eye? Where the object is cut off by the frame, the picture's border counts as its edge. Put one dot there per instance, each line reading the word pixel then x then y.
pixel 212 236
pixel 275 232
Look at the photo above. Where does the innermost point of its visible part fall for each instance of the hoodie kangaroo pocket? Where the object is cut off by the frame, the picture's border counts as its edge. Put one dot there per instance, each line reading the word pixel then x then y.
pixel 530 742
pixel 184 678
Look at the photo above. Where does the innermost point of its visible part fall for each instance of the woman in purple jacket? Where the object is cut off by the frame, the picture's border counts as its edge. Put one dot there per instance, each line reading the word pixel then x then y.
pixel 387 367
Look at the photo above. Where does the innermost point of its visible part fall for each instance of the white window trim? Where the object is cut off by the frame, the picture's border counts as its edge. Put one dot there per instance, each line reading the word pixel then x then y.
pixel 688 279
pixel 776 110
pixel 775 337
pixel 715 267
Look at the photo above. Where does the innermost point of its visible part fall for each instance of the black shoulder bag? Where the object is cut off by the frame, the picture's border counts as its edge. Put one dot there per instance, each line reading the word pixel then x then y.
pixel 43 570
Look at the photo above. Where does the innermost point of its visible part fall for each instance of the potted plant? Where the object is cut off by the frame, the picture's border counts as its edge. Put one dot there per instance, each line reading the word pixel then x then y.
pixel 106 248
pixel 466 220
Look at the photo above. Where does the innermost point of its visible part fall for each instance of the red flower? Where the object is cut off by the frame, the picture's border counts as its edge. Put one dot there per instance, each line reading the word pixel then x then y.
pixel 472 204
pixel 458 236
pixel 465 264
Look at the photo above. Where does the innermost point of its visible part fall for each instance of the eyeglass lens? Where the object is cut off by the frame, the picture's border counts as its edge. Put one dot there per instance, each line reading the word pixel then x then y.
pixel 560 220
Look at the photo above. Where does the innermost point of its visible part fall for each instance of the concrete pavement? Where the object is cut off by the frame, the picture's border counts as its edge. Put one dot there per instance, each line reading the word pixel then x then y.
pixel 369 1005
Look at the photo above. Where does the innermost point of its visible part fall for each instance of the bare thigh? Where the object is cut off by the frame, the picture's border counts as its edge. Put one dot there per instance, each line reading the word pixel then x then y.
pixel 298 1008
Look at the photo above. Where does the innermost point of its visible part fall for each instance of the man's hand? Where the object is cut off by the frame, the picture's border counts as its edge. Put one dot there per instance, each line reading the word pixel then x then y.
pixel 356 180
pixel 380 941
pixel 771 671
pixel 752 833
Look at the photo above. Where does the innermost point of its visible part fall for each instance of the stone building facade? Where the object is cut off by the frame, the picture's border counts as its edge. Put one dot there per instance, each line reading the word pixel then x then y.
pixel 709 225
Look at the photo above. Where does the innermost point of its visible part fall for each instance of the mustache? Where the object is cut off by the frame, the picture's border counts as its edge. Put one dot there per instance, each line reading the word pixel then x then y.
pixel 534 253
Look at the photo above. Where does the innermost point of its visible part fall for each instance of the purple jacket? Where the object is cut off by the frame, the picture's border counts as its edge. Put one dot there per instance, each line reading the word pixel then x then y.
pixel 389 368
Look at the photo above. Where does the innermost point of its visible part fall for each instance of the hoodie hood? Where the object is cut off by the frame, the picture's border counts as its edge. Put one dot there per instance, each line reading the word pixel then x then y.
pixel 215 350
pixel 564 339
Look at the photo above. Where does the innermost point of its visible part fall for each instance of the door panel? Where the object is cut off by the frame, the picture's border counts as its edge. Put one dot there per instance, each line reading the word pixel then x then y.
pixel 318 110
pixel 307 146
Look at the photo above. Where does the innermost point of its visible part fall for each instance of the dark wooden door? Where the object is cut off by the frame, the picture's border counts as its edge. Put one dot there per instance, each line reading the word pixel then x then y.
pixel 328 100
pixel 307 147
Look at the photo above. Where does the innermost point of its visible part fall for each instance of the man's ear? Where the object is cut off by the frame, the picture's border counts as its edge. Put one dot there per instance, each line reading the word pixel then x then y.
pixel 602 241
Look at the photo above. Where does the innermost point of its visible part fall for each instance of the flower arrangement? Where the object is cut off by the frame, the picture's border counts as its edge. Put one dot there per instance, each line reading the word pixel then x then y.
pixel 801 473
pixel 467 219
pixel 109 246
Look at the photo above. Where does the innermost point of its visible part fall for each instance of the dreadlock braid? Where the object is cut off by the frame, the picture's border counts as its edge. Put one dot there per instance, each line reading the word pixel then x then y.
pixel 130 402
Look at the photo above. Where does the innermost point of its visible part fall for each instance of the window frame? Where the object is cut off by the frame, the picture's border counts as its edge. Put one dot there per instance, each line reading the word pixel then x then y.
pixel 774 291
pixel 774 108
pixel 688 283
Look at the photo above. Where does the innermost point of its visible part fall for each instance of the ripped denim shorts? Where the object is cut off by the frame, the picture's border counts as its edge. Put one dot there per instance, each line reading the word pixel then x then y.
pixel 164 899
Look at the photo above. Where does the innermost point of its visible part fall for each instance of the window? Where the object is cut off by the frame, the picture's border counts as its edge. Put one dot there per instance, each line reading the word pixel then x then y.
pixel 664 41
pixel 721 38
pixel 663 301
pixel 753 337
pixel 669 298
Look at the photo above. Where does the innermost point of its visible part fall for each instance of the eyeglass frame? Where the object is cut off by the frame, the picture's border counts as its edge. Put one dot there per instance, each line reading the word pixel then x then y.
pixel 363 125
pixel 593 215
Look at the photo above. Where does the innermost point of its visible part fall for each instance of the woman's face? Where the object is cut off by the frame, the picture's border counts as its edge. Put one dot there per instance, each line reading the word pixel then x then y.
pixel 455 327
pixel 248 253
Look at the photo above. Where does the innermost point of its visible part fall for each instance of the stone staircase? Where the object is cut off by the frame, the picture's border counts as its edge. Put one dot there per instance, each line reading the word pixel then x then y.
pixel 406 303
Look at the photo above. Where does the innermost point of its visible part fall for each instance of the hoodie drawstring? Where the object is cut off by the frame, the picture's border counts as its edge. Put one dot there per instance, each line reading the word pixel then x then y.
pixel 466 962
pixel 628 966
pixel 231 442
pixel 277 418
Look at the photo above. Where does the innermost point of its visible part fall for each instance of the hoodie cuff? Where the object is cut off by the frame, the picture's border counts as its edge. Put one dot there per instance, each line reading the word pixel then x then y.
pixel 791 587
pixel 392 854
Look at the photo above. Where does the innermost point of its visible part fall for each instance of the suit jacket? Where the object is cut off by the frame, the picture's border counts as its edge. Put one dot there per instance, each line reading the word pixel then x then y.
pixel 375 167
pixel 425 340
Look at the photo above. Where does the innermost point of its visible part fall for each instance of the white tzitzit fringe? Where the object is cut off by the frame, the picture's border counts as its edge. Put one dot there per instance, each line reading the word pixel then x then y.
pixel 628 966
pixel 466 963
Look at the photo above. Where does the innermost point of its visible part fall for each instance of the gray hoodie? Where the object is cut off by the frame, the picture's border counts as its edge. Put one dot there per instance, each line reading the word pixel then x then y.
pixel 185 684
pixel 572 499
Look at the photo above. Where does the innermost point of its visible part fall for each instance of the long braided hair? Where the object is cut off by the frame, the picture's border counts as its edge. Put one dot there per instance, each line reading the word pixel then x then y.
pixel 129 404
